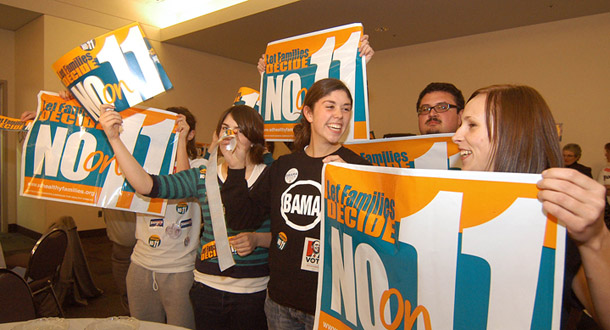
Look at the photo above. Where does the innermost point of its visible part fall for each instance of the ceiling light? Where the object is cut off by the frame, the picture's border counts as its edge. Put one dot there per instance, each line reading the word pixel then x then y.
pixel 166 13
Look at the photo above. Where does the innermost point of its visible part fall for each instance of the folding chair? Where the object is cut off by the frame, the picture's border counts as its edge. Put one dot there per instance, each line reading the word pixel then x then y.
pixel 16 301
pixel 45 262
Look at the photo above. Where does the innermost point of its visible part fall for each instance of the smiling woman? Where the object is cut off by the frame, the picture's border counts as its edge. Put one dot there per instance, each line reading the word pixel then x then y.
pixel 290 192
pixel 508 128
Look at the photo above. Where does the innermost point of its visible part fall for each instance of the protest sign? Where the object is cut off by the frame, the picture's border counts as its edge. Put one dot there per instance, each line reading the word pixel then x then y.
pixel 433 151
pixel 295 63
pixel 247 96
pixel 432 249
pixel 13 124
pixel 119 68
pixel 66 156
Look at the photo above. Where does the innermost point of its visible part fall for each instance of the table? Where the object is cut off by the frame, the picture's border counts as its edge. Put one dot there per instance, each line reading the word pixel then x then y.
pixel 82 323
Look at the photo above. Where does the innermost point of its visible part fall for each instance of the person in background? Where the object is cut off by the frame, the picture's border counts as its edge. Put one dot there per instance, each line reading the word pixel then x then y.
pixel 438 108
pixel 121 231
pixel 571 155
pixel 508 128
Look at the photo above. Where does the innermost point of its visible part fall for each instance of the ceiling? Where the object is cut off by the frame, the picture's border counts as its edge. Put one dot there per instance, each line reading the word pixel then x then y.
pixel 242 32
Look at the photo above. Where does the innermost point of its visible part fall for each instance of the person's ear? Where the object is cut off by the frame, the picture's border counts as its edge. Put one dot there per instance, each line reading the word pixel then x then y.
pixel 308 113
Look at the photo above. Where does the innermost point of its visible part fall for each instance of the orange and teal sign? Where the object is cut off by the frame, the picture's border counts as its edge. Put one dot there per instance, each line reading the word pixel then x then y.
pixel 295 63
pixel 119 68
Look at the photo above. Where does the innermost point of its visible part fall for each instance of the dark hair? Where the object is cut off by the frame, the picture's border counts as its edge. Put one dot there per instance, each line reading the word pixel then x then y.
pixel 443 87
pixel 191 149
pixel 521 129
pixel 251 125
pixel 607 146
pixel 320 89
pixel 574 148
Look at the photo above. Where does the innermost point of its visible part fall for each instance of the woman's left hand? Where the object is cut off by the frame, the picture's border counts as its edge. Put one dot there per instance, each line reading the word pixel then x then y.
pixel 27 116
pixel 365 48
pixel 182 127
pixel 244 243
pixel 576 200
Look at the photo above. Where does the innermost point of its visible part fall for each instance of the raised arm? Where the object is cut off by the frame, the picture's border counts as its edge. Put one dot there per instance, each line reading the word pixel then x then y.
pixel 185 134
pixel 111 121
pixel 365 48
pixel 261 64
pixel 578 202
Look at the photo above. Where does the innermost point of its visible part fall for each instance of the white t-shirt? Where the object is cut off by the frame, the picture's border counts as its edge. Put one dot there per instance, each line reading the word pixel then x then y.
pixel 169 244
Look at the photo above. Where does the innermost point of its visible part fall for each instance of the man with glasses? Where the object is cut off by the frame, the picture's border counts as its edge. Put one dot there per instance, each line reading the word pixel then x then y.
pixel 438 108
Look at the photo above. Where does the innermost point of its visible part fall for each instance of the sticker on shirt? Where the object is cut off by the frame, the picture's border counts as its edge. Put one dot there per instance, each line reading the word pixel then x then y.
pixel 311 254
pixel 156 223
pixel 182 207
pixel 282 239
pixel 300 205
pixel 291 175
pixel 173 231
pixel 154 241
pixel 202 173
pixel 186 223
pixel 208 251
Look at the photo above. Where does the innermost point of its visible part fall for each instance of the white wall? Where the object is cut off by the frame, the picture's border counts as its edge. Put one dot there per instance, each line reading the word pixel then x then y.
pixel 7 73
pixel 566 61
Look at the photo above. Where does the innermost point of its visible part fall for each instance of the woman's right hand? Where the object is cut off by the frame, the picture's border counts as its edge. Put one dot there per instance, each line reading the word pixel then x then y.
pixel 66 95
pixel 261 64
pixel 576 200
pixel 111 121
pixel 27 116
pixel 236 158
pixel 182 128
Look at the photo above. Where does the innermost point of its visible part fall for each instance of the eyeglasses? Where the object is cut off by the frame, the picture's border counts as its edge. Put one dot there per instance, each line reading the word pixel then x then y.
pixel 425 109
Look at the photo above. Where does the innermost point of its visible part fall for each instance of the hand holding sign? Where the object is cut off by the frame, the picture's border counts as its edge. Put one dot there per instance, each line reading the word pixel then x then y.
pixel 67 157
pixel 119 68
pixel 111 121
pixel 27 116
pixel 293 65
pixel 365 48
pixel 182 127
pixel 576 200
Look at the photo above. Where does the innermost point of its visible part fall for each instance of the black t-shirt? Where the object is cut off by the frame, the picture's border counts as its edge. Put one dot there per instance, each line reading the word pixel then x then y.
pixel 290 191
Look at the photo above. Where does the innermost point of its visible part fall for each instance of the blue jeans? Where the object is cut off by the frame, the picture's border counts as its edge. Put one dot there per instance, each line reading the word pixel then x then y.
pixel 216 309
pixel 285 318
